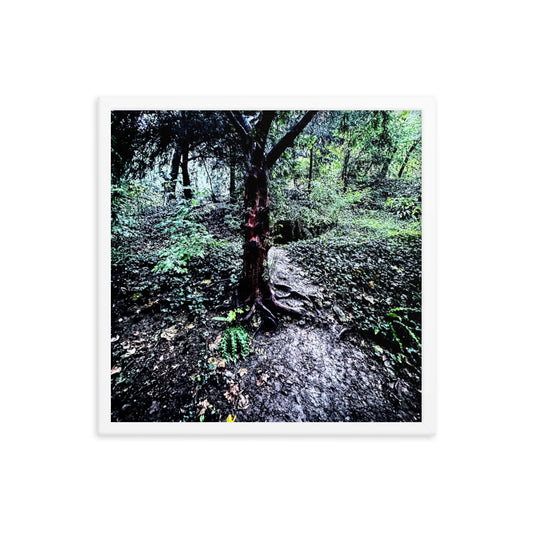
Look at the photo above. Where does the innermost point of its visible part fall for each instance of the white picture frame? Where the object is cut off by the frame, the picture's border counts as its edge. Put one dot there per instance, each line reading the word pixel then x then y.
pixel 427 425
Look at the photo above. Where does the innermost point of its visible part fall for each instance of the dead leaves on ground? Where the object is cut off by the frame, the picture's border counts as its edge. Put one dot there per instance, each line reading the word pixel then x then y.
pixel 262 379
pixel 170 333
pixel 217 362
pixel 204 406
pixel 236 398
pixel 214 345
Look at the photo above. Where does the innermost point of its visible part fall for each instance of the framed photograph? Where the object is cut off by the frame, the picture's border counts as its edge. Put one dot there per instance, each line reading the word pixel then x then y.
pixel 267 265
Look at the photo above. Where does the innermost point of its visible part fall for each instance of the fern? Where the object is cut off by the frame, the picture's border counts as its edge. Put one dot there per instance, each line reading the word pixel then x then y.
pixel 235 343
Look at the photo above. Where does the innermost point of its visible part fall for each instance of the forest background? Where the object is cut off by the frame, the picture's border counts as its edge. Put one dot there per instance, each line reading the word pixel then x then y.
pixel 336 196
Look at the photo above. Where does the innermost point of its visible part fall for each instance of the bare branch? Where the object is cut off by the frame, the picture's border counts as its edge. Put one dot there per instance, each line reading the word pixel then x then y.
pixel 288 139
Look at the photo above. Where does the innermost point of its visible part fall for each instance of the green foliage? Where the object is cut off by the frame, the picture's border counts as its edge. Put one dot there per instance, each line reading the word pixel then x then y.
pixel 188 238
pixel 184 247
pixel 235 343
pixel 405 208
pixel 401 330
pixel 232 316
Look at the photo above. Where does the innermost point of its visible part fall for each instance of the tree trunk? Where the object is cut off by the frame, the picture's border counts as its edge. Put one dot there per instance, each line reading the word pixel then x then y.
pixel 310 171
pixel 381 180
pixel 174 171
pixel 187 191
pixel 256 233
pixel 407 156
pixel 231 176
pixel 213 195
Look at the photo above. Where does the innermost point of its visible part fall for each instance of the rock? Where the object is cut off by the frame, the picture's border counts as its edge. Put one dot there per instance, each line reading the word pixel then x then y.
pixel 340 314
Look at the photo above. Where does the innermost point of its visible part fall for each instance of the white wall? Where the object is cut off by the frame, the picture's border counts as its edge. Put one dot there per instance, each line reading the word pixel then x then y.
pixel 57 475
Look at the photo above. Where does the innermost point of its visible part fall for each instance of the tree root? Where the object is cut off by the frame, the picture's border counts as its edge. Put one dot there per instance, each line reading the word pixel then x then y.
pixel 284 308
pixel 269 307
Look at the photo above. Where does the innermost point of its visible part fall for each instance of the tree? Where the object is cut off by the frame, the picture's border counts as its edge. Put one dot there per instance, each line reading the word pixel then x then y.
pixel 407 157
pixel 254 289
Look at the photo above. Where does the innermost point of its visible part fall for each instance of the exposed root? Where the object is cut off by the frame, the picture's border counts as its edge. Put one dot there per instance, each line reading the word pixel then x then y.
pixel 292 292
pixel 267 313
pixel 268 306
pixel 284 308
pixel 249 314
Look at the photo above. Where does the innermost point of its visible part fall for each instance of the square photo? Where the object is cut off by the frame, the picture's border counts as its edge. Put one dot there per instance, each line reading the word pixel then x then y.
pixel 264 266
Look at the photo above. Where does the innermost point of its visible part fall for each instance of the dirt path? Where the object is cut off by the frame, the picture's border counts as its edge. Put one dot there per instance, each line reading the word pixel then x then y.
pixel 304 372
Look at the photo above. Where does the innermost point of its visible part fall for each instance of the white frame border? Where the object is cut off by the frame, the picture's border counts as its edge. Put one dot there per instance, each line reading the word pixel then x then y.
pixel 429 263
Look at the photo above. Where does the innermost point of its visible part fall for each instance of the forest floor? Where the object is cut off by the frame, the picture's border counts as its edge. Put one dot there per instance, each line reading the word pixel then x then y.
pixel 314 368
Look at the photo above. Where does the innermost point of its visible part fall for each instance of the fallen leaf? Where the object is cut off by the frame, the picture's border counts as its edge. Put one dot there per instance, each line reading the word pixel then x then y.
pixel 243 402
pixel 262 379
pixel 206 281
pixel 231 418
pixel 204 405
pixel 115 339
pixel 371 283
pixel 116 370
pixel 214 345
pixel 242 371
pixel 169 333
pixel 220 363
pixel 190 326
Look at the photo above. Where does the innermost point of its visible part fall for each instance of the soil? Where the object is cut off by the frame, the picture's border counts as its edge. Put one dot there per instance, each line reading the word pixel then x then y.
pixel 306 373
pixel 309 369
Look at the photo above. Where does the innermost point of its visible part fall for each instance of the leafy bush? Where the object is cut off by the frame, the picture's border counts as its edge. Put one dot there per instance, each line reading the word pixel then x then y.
pixel 404 208
pixel 188 238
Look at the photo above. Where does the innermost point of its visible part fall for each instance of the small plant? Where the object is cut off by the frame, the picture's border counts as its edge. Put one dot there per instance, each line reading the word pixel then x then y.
pixel 232 315
pixel 235 343
pixel 402 330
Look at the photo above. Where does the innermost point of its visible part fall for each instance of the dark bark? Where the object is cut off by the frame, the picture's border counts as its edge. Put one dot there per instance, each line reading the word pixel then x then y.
pixel 257 218
pixel 288 139
pixel 310 177
pixel 187 191
pixel 256 233
pixel 407 156
pixel 231 175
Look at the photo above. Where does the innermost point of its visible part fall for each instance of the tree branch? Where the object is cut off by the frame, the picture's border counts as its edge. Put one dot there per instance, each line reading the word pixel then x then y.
pixel 239 123
pixel 263 126
pixel 288 138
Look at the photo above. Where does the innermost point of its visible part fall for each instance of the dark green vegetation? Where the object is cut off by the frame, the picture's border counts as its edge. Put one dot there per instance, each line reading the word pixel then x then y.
pixel 202 329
